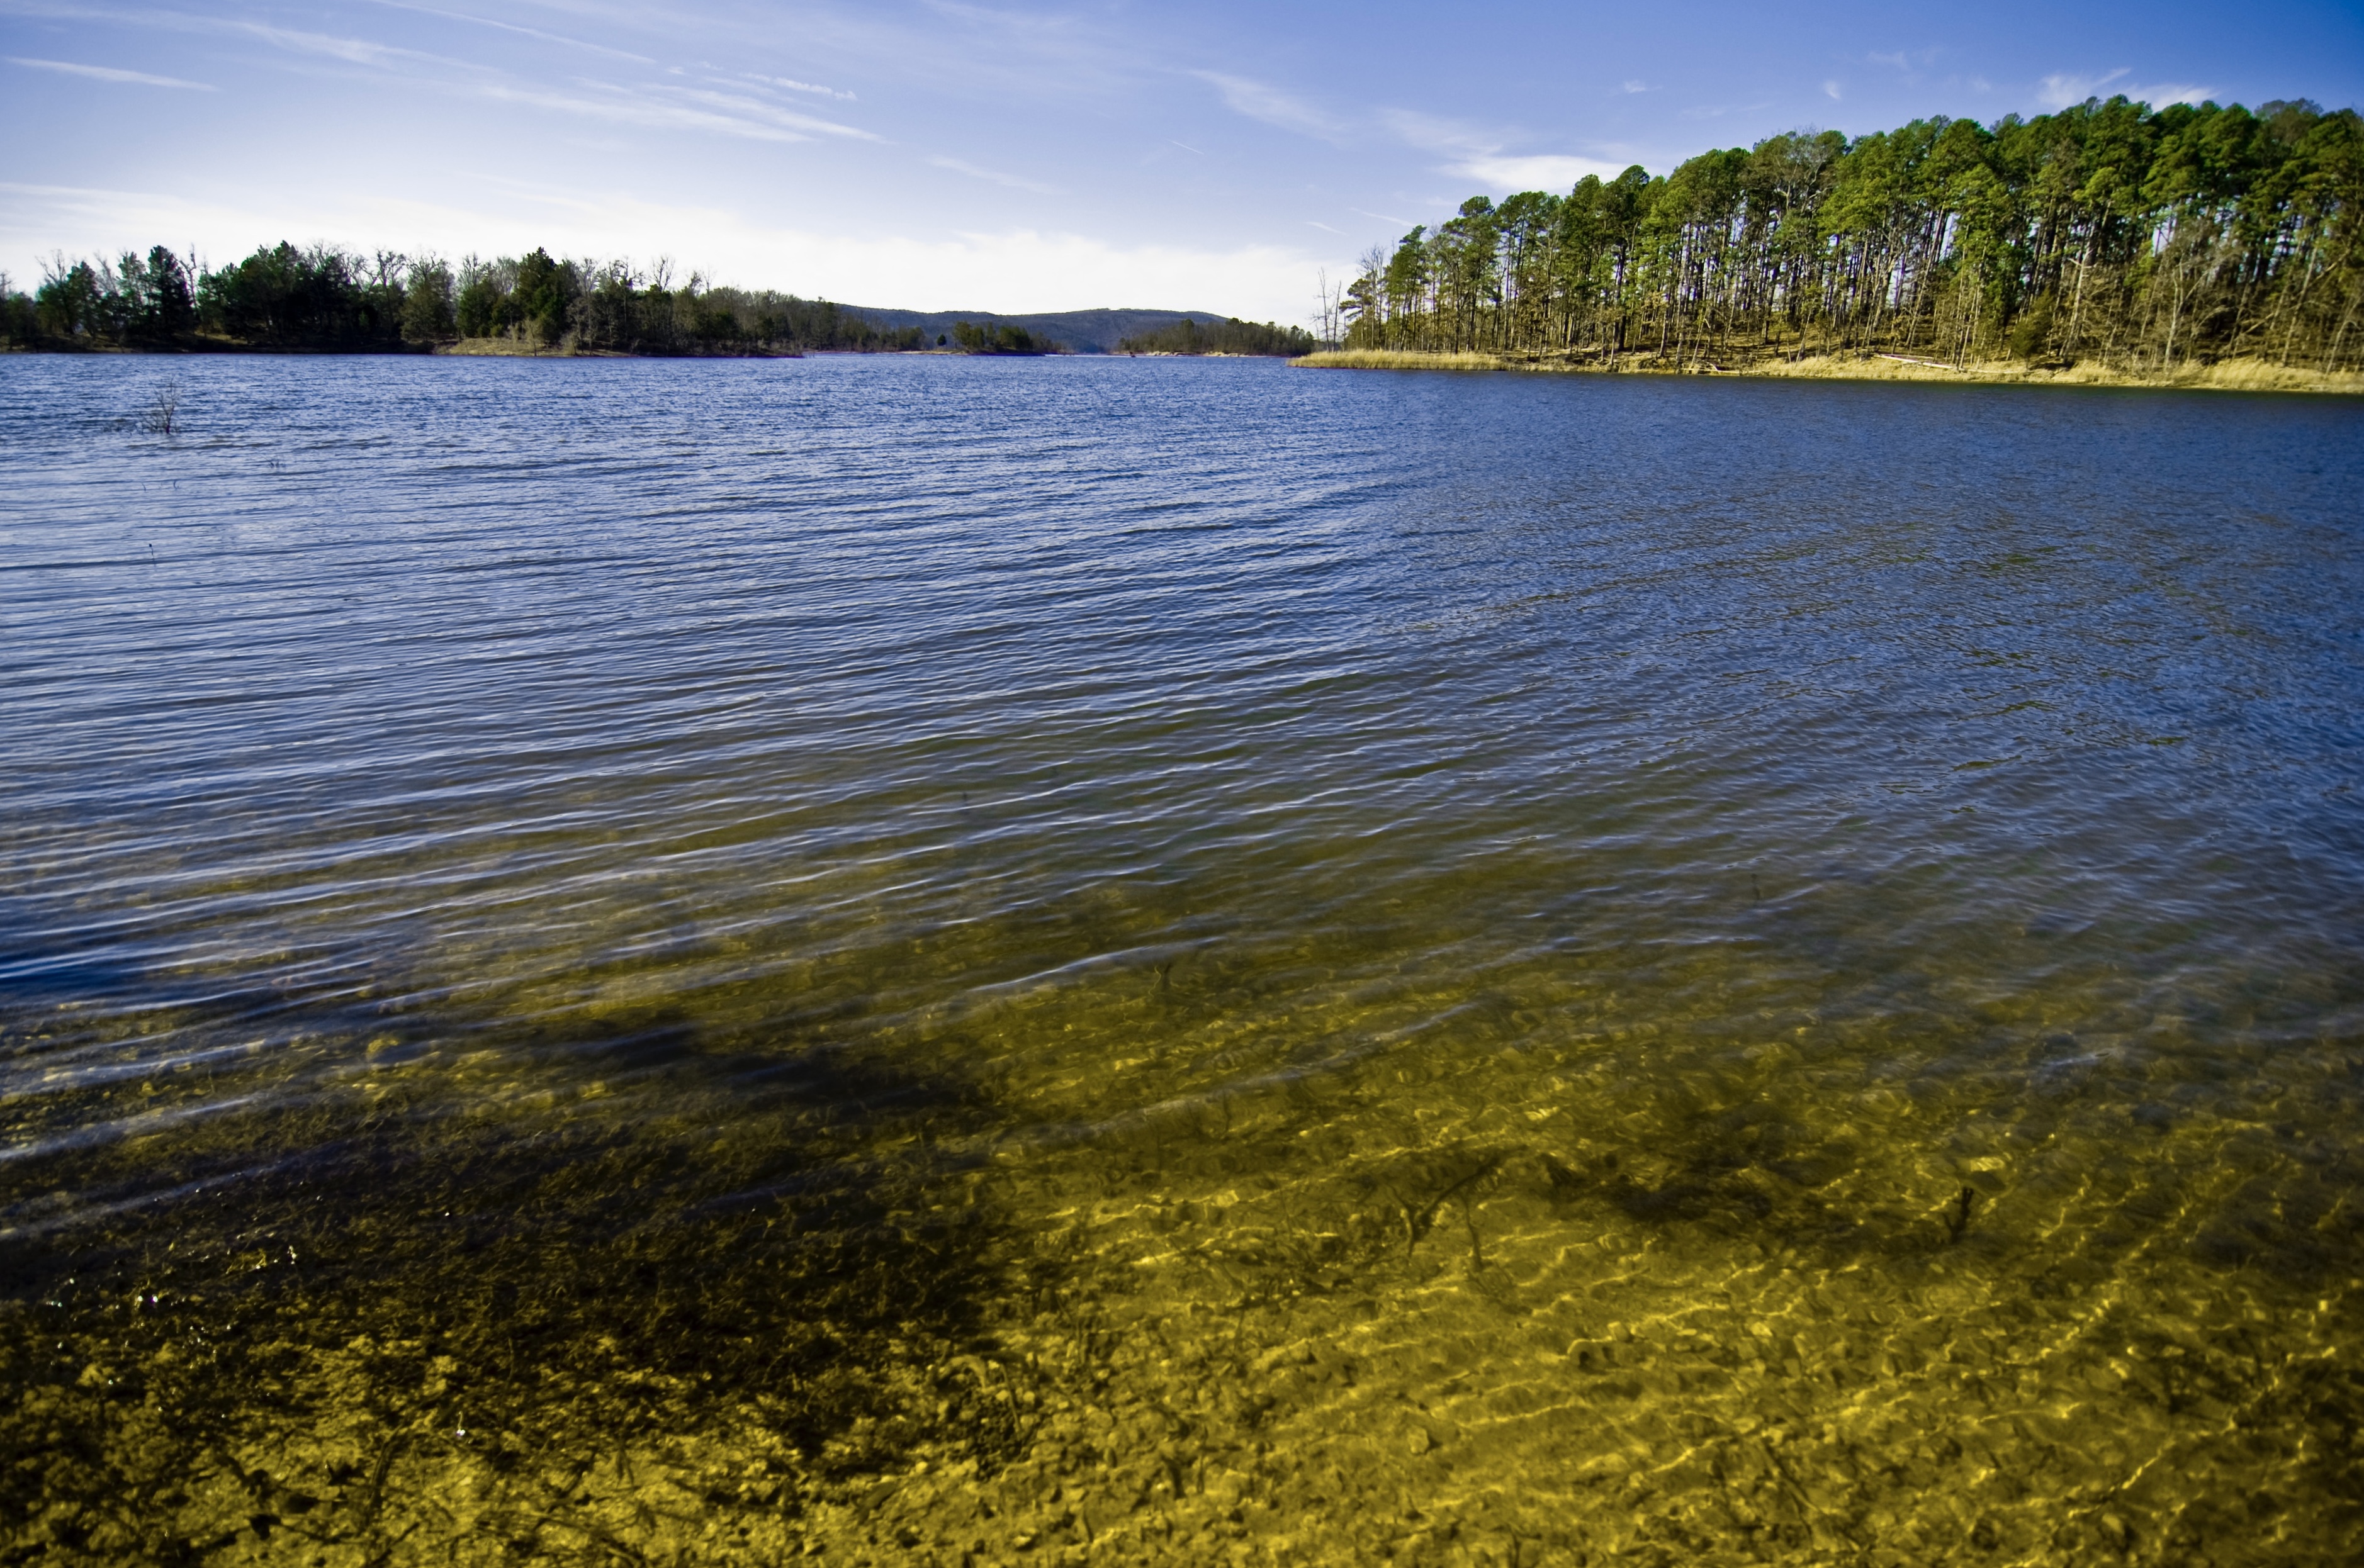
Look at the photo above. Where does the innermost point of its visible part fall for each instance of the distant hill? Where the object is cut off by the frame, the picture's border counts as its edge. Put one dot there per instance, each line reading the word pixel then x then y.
pixel 1084 331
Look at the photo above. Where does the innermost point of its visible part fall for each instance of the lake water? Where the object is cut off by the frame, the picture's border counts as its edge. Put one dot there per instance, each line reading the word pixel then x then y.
pixel 935 960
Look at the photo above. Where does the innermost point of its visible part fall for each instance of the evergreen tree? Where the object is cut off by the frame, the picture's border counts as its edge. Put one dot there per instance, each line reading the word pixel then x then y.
pixel 2147 239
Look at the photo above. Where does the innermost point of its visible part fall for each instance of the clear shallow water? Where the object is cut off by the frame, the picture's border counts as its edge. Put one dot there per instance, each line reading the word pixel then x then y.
pixel 929 959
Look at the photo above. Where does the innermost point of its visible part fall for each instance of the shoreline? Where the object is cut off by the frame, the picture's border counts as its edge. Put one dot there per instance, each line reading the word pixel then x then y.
pixel 2231 376
pixel 195 347
pixel 513 348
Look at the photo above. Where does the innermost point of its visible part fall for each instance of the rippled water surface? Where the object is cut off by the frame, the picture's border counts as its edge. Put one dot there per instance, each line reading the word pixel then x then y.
pixel 931 960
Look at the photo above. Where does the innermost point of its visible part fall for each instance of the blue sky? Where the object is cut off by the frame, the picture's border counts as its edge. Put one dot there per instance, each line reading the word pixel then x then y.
pixel 1011 157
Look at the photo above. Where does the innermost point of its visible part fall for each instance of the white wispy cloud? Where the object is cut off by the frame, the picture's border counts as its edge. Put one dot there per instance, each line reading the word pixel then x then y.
pixel 1905 60
pixel 739 104
pixel 1436 133
pixel 332 46
pixel 998 49
pixel 1477 153
pixel 1030 23
pixel 1634 87
pixel 793 86
pixel 1717 111
pixel 560 38
pixel 1261 101
pixel 111 74
pixel 960 167
pixel 620 105
pixel 668 105
pixel 1831 89
pixel 2066 89
pixel 1533 172
pixel 2062 88
pixel 353 50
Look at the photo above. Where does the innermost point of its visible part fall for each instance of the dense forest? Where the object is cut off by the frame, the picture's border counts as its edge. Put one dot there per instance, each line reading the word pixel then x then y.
pixel 988 338
pixel 1231 337
pixel 2139 238
pixel 323 298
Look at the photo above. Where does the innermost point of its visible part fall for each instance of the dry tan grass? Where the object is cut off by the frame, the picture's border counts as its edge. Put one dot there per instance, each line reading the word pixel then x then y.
pixel 1405 360
pixel 506 347
pixel 2233 375
pixel 2256 375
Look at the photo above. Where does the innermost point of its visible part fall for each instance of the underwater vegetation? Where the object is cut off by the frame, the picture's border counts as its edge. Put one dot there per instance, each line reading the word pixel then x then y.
pixel 646 1289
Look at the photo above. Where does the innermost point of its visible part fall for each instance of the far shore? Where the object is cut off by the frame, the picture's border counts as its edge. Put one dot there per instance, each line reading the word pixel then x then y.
pixel 2230 375
pixel 521 349
pixel 518 349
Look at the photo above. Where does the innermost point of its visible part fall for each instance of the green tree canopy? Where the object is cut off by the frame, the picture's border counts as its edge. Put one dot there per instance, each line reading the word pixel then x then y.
pixel 2110 229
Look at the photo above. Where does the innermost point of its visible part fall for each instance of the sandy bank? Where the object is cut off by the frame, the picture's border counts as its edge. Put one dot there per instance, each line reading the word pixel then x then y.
pixel 2232 375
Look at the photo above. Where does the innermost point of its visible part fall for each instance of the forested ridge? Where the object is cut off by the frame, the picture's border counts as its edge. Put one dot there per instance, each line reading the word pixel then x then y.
pixel 1221 336
pixel 322 299
pixel 2145 239
pixel 996 338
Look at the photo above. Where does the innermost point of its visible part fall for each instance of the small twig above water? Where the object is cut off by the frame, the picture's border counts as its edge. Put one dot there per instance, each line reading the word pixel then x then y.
pixel 162 413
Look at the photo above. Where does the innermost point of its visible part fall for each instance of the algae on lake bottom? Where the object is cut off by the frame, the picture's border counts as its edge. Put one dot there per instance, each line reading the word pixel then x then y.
pixel 1106 1271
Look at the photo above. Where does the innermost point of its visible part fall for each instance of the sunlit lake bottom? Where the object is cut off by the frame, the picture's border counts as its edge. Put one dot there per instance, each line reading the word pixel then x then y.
pixel 947 962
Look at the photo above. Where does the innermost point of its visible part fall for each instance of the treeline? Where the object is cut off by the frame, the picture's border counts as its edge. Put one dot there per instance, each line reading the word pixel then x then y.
pixel 2112 231
pixel 322 299
pixel 1231 337
pixel 990 337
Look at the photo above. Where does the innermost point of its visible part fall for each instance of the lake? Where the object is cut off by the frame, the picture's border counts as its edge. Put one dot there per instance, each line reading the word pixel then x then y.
pixel 943 961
